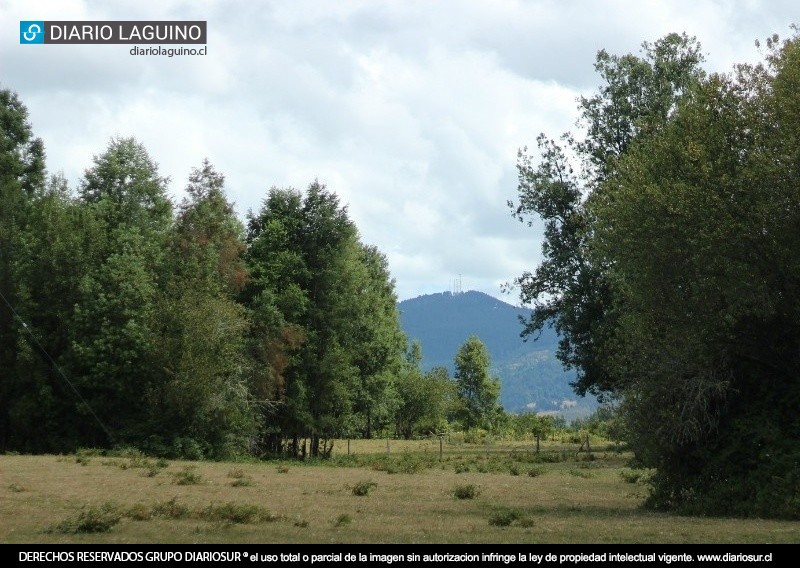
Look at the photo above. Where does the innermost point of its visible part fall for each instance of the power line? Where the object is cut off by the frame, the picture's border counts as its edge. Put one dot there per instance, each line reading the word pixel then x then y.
pixel 56 367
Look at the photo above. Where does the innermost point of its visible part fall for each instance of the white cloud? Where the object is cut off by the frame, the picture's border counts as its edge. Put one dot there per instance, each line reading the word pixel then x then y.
pixel 411 111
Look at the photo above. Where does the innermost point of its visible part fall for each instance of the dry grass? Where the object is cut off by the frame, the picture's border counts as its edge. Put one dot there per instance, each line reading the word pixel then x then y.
pixel 307 503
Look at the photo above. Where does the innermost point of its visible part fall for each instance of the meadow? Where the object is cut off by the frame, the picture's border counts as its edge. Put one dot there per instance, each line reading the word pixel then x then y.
pixel 381 492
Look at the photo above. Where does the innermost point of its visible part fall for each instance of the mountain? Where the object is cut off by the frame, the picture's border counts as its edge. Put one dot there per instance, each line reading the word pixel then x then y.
pixel 531 378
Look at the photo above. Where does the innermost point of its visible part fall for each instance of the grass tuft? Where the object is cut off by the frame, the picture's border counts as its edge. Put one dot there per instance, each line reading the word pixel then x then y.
pixel 363 488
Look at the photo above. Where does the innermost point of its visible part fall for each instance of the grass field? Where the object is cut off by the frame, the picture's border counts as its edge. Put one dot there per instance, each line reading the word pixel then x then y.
pixel 492 493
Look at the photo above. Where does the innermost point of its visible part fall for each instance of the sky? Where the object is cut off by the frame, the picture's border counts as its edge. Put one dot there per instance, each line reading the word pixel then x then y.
pixel 412 112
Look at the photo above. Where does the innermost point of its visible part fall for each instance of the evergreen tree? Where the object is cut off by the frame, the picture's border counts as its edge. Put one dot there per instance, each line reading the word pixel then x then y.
pixel 477 390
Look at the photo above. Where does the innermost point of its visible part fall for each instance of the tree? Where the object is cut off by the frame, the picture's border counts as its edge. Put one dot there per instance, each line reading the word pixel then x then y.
pixel 324 304
pixel 114 347
pixel 54 258
pixel 424 398
pixel 22 174
pixel 477 390
pixel 698 227
pixel 201 405
pixel 569 289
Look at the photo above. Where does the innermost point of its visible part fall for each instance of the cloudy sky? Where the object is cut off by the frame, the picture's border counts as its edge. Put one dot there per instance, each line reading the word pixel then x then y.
pixel 411 111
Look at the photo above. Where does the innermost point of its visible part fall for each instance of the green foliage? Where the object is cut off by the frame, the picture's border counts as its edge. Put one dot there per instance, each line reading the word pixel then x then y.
pixel 570 288
pixel 633 475
pixel 171 510
pixel 477 390
pixel 90 520
pixel 441 322
pixel 424 400
pixel 325 302
pixel 708 196
pixel 670 270
pixel 580 473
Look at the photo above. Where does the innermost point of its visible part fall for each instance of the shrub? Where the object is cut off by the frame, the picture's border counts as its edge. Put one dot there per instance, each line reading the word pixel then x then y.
pixel 170 510
pixel 535 471
pixel 90 520
pixel 237 513
pixel 631 475
pixel 363 488
pixel 580 473
pixel 139 512
pixel 503 517
pixel 468 491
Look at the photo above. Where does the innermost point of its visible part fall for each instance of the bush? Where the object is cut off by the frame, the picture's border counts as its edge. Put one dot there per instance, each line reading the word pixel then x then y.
pixel 90 520
pixel 468 491
pixel 170 510
pixel 580 473
pixel 139 512
pixel 506 517
pixel 503 517
pixel 237 513
pixel 631 475
pixel 362 488
pixel 535 471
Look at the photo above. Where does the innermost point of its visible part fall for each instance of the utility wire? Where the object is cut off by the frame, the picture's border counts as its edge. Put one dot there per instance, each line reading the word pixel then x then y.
pixel 57 368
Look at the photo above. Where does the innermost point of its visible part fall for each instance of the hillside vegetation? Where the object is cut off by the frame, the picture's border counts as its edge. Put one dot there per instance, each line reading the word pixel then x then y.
pixel 531 377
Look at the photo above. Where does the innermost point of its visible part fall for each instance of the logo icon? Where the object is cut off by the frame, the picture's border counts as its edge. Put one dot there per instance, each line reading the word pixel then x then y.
pixel 31 32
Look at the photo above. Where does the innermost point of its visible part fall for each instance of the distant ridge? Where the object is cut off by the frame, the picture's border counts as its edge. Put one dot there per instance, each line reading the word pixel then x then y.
pixel 531 377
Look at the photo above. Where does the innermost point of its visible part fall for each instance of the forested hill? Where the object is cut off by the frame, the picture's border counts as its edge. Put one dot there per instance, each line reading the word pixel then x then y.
pixel 530 375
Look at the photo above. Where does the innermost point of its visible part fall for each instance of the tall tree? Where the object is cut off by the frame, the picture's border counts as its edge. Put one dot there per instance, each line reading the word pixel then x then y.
pixel 477 390
pixel 114 345
pixel 22 175
pixel 569 289
pixel 375 339
pixel 699 229
pixel 202 404
pixel 324 300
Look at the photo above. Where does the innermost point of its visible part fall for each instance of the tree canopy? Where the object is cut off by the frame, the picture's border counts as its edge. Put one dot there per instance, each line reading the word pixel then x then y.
pixel 670 266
